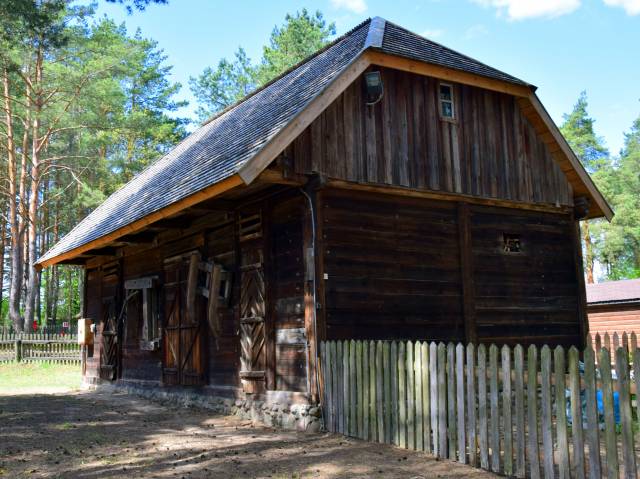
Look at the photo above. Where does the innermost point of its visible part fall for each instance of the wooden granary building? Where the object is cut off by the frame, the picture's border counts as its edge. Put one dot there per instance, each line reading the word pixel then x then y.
pixel 386 187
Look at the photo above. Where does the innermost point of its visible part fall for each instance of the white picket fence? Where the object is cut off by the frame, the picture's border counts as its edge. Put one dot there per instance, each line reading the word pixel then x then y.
pixel 534 413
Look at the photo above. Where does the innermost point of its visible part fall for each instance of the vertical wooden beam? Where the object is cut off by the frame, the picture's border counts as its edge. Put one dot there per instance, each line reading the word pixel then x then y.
pixel 321 311
pixel 582 297
pixel 311 279
pixel 466 273
pixel 270 309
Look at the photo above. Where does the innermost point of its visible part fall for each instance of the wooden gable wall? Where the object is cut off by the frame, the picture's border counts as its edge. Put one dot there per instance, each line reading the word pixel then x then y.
pixel 490 150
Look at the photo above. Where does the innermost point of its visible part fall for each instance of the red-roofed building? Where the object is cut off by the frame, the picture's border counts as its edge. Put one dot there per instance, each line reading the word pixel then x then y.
pixel 614 306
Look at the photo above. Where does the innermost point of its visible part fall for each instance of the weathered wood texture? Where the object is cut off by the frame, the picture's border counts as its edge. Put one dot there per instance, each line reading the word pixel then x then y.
pixel 499 437
pixel 490 150
pixel 530 296
pixel 393 271
pixel 281 353
pixel 287 300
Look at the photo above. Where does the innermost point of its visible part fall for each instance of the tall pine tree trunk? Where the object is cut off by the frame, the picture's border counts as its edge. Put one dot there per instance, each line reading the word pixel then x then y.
pixel 15 277
pixel 34 196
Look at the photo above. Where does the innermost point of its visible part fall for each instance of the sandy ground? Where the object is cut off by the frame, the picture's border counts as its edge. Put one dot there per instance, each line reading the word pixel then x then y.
pixel 98 434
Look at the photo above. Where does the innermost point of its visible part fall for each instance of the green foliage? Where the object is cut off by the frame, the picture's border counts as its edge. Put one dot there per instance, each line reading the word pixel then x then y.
pixel 301 35
pixel 618 242
pixel 615 245
pixel 216 89
pixel 579 132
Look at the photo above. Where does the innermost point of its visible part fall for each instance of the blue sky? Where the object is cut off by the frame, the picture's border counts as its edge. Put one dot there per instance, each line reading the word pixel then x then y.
pixel 561 46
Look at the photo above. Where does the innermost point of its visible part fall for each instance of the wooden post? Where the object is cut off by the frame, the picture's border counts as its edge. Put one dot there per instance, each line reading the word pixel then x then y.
pixel 506 410
pixel 460 403
pixel 582 295
pixel 466 272
pixel 18 350
pixel 518 358
pixel 451 400
pixel 628 452
pixel 532 412
pixel 471 405
pixel 576 413
pixel 495 418
pixel 442 401
pixel 546 424
pixel 593 440
pixel 561 413
pixel 482 407
pixel 610 439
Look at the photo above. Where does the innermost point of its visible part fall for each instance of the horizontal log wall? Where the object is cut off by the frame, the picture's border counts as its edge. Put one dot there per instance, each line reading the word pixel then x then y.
pixel 393 270
pixel 489 150
pixel 527 297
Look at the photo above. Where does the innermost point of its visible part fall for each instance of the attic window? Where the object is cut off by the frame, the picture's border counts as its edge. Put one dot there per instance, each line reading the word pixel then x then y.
pixel 446 101
pixel 511 243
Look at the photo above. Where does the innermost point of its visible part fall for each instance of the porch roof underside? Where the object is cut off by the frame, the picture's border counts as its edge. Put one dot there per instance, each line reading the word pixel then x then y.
pixel 219 149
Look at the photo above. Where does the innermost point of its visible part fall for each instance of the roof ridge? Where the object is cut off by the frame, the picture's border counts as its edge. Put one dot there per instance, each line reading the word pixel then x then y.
pixel 375 36
pixel 287 71
pixel 444 47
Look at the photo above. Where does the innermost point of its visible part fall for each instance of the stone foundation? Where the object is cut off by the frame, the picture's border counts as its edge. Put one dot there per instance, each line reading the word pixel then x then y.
pixel 299 417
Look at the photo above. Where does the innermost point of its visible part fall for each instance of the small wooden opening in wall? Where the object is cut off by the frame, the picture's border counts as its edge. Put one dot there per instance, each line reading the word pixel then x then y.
pixel 511 243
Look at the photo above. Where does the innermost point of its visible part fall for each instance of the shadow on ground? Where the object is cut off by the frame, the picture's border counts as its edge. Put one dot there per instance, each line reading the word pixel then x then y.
pixel 96 435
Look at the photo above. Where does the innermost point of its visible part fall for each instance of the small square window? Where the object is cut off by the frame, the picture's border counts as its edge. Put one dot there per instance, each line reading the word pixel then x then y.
pixel 446 101
pixel 511 243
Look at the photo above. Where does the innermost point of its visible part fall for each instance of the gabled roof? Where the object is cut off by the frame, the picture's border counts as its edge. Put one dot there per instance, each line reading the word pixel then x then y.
pixel 236 145
pixel 610 292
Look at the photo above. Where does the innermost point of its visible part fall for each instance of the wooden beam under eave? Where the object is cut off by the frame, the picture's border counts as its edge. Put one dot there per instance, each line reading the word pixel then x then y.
pixel 456 197
pixel 444 73
pixel 170 210
pixel 276 176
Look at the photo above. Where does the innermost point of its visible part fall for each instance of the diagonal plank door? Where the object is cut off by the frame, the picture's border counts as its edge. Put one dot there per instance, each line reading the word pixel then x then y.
pixel 183 330
pixel 252 303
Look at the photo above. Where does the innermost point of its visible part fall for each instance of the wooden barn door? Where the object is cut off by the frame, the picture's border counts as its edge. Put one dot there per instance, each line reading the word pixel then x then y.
pixel 184 362
pixel 109 353
pixel 252 302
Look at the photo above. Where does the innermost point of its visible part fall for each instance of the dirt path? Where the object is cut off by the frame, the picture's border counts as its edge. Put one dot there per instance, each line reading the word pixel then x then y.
pixel 91 435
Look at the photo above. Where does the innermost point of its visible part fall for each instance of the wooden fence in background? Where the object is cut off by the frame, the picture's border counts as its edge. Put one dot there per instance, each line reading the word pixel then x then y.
pixel 38 347
pixel 532 412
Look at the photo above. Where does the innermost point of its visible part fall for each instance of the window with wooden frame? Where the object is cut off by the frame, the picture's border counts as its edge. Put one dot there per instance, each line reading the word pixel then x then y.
pixel 447 106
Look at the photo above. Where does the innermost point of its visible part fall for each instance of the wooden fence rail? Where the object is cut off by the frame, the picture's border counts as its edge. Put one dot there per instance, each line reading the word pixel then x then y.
pixel 36 348
pixel 538 412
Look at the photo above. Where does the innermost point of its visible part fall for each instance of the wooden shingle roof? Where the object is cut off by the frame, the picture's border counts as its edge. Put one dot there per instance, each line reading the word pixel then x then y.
pixel 234 146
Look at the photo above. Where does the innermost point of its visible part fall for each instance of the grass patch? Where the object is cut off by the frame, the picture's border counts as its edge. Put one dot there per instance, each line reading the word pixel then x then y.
pixel 22 377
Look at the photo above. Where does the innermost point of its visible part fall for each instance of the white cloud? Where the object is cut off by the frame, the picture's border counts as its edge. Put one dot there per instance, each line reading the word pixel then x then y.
pixel 522 9
pixel 432 33
pixel 632 7
pixel 475 31
pixel 356 6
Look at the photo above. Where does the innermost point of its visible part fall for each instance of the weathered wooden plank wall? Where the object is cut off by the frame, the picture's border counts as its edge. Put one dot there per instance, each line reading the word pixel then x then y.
pixel 489 150
pixel 393 271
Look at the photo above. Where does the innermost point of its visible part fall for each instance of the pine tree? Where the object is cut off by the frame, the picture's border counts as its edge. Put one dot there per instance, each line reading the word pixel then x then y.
pixel 301 35
pixel 589 148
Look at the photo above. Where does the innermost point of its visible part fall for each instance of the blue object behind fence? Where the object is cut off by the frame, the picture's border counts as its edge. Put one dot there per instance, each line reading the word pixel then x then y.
pixel 600 406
